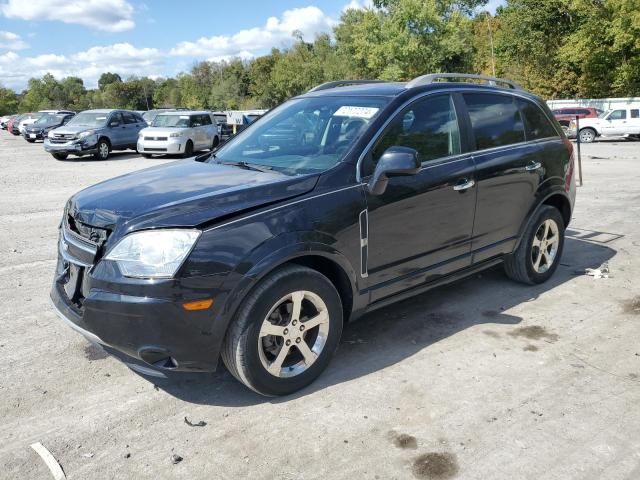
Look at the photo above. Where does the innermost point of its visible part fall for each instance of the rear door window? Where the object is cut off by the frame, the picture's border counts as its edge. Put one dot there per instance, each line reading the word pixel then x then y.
pixel 635 113
pixel 129 117
pixel 495 120
pixel 537 125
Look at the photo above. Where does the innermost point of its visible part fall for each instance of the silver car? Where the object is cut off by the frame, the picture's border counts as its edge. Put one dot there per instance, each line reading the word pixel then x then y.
pixel 179 133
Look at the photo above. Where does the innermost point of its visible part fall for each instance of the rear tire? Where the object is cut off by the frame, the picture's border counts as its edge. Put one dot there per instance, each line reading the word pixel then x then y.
pixel 60 156
pixel 540 249
pixel 272 350
pixel 587 135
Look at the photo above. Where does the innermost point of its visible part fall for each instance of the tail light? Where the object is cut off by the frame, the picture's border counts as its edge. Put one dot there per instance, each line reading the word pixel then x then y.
pixel 569 172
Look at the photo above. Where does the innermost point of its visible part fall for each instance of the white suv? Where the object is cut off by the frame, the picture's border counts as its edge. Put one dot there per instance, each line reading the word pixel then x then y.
pixel 621 122
pixel 179 133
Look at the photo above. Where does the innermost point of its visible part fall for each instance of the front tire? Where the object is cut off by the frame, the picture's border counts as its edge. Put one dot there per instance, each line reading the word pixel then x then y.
pixel 539 252
pixel 103 150
pixel 587 135
pixel 285 333
pixel 30 140
pixel 60 156
pixel 188 149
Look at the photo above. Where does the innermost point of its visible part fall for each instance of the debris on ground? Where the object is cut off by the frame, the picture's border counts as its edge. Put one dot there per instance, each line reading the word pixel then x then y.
pixel 50 461
pixel 601 272
pixel 175 459
pixel 201 423
pixel 87 455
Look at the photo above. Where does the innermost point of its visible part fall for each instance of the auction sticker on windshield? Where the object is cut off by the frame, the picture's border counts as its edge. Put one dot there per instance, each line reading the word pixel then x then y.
pixel 360 112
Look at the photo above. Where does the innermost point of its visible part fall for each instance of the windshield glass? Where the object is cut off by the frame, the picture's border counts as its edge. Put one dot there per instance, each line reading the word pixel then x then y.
pixel 306 135
pixel 177 121
pixel 89 119
pixel 48 118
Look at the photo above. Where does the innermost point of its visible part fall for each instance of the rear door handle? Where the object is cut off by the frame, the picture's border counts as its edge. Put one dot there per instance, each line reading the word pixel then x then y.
pixel 533 166
pixel 464 184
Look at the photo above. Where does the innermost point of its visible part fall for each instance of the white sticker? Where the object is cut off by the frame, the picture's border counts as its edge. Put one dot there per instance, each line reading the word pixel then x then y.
pixel 360 112
pixel 186 117
pixel 101 118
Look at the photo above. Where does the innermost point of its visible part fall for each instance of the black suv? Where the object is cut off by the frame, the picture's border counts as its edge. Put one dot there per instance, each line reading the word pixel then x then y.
pixel 338 202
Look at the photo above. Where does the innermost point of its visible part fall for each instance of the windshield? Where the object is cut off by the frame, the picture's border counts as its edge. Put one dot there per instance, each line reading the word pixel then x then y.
pixel 49 118
pixel 89 119
pixel 604 114
pixel 302 136
pixel 177 121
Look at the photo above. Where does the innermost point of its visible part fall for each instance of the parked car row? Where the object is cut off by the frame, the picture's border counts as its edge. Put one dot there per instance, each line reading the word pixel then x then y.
pixel 99 132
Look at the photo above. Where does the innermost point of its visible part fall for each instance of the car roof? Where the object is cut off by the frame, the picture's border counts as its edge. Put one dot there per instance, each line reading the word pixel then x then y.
pixel 394 89
pixel 186 112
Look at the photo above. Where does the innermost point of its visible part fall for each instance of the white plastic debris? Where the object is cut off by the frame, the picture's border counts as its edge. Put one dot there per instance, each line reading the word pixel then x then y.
pixel 601 272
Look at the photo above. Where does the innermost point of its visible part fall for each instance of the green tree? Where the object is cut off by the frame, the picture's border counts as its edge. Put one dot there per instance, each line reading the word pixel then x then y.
pixel 108 78
pixel 8 101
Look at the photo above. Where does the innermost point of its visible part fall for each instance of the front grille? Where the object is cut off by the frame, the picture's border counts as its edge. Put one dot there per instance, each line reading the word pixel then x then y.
pixel 162 139
pixel 147 149
pixel 93 234
pixel 61 138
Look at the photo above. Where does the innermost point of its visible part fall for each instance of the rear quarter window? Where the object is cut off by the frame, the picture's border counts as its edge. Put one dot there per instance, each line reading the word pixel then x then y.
pixel 495 120
pixel 536 123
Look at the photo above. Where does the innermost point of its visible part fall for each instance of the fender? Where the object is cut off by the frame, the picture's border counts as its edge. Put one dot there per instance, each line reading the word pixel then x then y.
pixel 543 195
pixel 274 253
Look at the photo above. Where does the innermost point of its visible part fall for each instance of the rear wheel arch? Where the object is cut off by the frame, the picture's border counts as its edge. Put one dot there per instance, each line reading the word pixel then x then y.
pixel 555 199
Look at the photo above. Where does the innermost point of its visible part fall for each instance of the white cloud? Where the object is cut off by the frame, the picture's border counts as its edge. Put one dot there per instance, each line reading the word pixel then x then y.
pixel 121 58
pixel 11 41
pixel 308 20
pixel 358 5
pixel 106 15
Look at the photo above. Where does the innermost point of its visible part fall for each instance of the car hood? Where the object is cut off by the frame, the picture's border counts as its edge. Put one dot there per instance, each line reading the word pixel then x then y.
pixel 181 194
pixel 161 131
pixel 74 129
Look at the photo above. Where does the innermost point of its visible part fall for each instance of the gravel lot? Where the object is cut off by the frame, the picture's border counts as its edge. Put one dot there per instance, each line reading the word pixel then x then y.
pixel 483 379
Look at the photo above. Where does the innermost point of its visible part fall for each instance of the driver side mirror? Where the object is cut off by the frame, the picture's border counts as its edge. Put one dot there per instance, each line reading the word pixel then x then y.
pixel 394 162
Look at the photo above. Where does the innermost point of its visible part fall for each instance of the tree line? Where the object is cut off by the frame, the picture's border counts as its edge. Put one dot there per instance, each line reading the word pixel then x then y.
pixel 555 48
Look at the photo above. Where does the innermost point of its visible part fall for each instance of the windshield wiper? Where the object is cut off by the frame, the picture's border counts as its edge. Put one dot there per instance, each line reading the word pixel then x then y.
pixel 247 166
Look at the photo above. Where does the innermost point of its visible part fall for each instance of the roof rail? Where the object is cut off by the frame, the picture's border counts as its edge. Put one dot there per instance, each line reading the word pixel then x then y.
pixel 341 83
pixel 435 77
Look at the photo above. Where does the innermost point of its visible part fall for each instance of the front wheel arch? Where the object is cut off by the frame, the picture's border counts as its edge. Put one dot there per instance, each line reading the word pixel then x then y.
pixel 555 199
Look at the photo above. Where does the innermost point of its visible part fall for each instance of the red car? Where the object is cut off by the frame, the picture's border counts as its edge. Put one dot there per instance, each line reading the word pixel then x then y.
pixel 12 125
pixel 566 114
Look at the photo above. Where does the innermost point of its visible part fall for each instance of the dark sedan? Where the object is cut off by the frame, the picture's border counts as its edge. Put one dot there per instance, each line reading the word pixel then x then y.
pixel 41 127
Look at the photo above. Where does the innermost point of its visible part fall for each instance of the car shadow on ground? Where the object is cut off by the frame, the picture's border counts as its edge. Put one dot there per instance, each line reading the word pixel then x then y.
pixel 113 157
pixel 392 334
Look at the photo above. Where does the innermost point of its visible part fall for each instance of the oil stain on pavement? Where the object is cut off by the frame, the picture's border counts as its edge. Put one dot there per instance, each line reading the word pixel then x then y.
pixel 404 441
pixel 435 466
pixel 534 332
pixel 94 352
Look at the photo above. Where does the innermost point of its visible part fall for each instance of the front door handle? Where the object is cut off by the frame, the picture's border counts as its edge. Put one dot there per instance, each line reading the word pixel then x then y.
pixel 533 166
pixel 464 184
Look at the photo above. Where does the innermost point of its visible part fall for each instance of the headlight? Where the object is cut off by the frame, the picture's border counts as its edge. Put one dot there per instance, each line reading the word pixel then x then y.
pixel 50 134
pixel 176 134
pixel 153 253
pixel 86 133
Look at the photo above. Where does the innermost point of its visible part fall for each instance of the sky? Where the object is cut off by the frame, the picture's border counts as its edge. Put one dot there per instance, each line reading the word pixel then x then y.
pixel 156 38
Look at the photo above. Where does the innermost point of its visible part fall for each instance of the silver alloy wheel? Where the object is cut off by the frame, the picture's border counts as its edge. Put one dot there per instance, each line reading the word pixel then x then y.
pixel 545 246
pixel 300 320
pixel 587 135
pixel 104 150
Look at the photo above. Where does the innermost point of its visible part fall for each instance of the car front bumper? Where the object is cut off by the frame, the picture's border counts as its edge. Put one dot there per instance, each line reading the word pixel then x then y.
pixel 76 147
pixel 33 135
pixel 142 321
pixel 172 146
